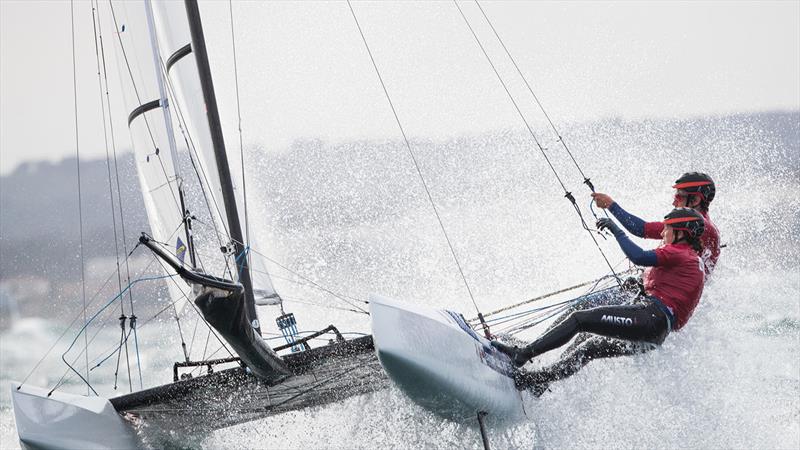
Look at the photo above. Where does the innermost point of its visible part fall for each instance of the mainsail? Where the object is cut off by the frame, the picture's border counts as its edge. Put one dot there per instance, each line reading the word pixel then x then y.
pixel 179 63
pixel 185 76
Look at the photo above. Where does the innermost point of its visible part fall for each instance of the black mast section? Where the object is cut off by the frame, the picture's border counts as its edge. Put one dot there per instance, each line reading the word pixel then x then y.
pixel 235 228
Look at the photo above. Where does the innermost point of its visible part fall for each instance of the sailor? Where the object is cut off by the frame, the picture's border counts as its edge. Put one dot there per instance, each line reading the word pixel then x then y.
pixel 692 190
pixel 673 284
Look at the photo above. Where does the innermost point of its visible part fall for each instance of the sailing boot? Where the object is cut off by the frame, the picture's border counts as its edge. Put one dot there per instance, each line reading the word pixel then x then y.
pixel 519 356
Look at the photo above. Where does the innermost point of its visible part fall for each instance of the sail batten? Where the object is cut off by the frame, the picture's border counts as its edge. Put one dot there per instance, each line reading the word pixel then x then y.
pixel 143 109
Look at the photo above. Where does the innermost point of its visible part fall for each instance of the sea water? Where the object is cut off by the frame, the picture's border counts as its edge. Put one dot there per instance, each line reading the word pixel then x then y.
pixel 354 218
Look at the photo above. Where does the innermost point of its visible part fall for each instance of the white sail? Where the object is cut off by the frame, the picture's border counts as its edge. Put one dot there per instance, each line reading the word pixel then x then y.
pixel 174 44
pixel 155 161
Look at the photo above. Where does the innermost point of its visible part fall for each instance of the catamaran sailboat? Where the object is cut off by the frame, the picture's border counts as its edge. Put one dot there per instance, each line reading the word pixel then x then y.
pixel 210 264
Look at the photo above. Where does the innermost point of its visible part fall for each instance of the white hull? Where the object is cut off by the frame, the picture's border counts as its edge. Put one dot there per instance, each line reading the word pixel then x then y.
pixel 67 421
pixel 443 367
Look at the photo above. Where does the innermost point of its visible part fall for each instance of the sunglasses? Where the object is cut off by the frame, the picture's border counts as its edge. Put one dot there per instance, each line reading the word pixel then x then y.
pixel 685 195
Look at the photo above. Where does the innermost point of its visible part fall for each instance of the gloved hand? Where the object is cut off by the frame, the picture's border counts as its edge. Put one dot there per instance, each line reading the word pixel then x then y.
pixel 607 224
pixel 603 201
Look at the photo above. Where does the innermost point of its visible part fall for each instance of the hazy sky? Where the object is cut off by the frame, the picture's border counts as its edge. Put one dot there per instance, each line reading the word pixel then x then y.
pixel 304 73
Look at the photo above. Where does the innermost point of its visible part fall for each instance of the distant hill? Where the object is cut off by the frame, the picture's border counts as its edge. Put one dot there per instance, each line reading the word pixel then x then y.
pixel 39 222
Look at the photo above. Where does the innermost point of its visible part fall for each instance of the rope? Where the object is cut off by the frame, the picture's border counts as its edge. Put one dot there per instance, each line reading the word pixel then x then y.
pixel 567 194
pixel 75 319
pixel 133 328
pixel 199 170
pixel 506 318
pixel 300 301
pixel 83 328
pixel 550 294
pixel 413 158
pixel 194 333
pixel 194 307
pixel 562 307
pixel 97 43
pixel 243 254
pixel 586 180
pixel 130 72
pixel 115 348
pixel 302 277
pixel 78 164
pixel 169 180
pixel 152 140
pixel 537 321
pixel 241 138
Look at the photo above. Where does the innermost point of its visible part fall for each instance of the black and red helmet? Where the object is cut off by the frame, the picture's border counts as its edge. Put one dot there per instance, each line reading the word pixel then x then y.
pixel 686 219
pixel 697 183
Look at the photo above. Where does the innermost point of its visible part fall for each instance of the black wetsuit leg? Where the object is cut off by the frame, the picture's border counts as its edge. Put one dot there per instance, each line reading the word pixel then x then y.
pixel 606 297
pixel 573 360
pixel 639 322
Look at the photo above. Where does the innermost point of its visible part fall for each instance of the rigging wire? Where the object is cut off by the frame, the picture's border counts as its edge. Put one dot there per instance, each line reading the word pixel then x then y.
pixel 78 165
pixel 81 331
pixel 567 193
pixel 75 319
pixel 194 333
pixel 94 298
pixel 241 138
pixel 99 329
pixel 205 347
pixel 132 319
pixel 65 378
pixel 550 294
pixel 586 180
pixel 198 170
pixel 115 348
pixel 169 180
pixel 91 302
pixel 130 72
pixel 563 143
pixel 299 275
pixel 549 312
pixel 301 301
pixel 98 49
pixel 309 285
pixel 195 308
pixel 306 279
pixel 414 160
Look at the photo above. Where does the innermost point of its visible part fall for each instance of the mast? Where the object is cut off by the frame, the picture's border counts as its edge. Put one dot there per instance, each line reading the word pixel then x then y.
pixel 212 113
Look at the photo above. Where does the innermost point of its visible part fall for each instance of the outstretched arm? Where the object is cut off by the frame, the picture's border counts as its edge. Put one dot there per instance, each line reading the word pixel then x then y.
pixel 635 253
pixel 633 224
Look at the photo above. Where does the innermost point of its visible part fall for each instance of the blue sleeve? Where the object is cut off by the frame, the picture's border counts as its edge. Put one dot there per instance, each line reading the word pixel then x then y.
pixel 633 224
pixel 634 252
